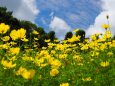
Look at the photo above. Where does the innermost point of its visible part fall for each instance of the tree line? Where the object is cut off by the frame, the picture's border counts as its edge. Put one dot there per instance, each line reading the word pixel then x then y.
pixel 14 23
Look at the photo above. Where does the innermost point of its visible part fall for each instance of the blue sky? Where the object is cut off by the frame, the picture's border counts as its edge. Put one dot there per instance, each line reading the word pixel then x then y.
pixel 62 16
pixel 76 13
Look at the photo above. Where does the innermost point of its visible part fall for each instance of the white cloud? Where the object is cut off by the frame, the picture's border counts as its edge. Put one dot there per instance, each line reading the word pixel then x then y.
pixel 60 27
pixel 22 9
pixel 107 9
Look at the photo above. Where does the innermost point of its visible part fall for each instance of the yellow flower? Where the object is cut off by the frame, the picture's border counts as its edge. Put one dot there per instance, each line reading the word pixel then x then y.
pixel 85 47
pixel 62 56
pixel 26 58
pixel 24 39
pixel 47 40
pixel 4 28
pixel 64 84
pixel 87 79
pixel 21 33
pixel 55 64
pixel 12 58
pixel 14 35
pixel 75 30
pixel 104 64
pixel 110 54
pixel 15 50
pixel 5 38
pixel 27 74
pixel 60 47
pixel 21 69
pixel 77 58
pixel 54 72
pixel 105 26
pixel 74 38
pixel 5 46
pixel 36 39
pixel 35 32
pixel 95 36
pixel 7 64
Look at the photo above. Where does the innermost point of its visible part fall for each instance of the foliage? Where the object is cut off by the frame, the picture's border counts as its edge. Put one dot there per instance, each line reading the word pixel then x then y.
pixel 51 35
pixel 81 33
pixel 68 35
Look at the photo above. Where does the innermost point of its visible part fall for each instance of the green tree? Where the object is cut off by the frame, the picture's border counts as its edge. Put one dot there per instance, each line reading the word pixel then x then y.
pixel 7 18
pixel 68 35
pixel 41 30
pixel 51 35
pixel 81 33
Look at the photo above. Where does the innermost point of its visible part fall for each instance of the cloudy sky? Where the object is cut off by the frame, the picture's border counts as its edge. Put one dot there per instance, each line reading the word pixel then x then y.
pixel 62 16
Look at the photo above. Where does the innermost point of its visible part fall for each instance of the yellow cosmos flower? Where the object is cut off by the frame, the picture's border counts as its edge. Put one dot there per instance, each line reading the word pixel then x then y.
pixel 35 32
pixel 74 38
pixel 15 50
pixel 85 47
pixel 5 38
pixel 64 84
pixel 87 79
pixel 54 72
pixel 76 30
pixel 36 39
pixel 18 34
pixel 105 26
pixel 26 58
pixel 14 35
pixel 55 64
pixel 4 46
pixel 27 74
pixel 21 33
pixel 21 69
pixel 12 58
pixel 7 64
pixel 77 58
pixel 110 54
pixel 4 28
pixel 62 56
pixel 25 40
pixel 47 40
pixel 104 64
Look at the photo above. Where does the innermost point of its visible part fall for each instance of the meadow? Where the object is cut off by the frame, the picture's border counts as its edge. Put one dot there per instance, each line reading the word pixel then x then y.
pixel 65 63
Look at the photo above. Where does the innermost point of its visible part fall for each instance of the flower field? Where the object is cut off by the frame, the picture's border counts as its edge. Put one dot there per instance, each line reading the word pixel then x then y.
pixel 61 63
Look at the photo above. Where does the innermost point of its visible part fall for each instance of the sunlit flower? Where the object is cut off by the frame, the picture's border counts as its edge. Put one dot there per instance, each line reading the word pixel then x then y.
pixel 76 30
pixel 35 32
pixel 74 38
pixel 27 74
pixel 21 33
pixel 14 35
pixel 104 64
pixel 110 54
pixel 15 50
pixel 25 40
pixel 54 72
pixel 47 40
pixel 87 79
pixel 55 64
pixel 7 64
pixel 4 28
pixel 64 84
pixel 18 34
pixel 5 38
pixel 105 26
